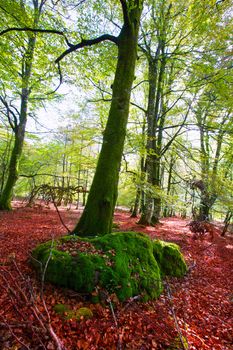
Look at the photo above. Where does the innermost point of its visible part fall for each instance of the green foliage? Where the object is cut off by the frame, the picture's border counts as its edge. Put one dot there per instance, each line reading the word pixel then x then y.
pixel 124 263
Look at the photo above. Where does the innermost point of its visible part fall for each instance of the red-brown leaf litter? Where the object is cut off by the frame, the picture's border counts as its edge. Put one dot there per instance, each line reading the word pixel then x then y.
pixel 194 312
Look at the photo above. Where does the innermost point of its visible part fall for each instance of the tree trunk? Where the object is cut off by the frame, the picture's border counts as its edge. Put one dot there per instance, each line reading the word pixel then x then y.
pixel 98 213
pixel 169 182
pixel 227 222
pixel 136 203
pixel 20 126
pixel 204 210
pixel 7 193
pixel 147 208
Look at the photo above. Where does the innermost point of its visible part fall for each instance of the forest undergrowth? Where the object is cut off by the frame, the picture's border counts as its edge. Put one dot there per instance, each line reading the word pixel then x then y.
pixel 194 312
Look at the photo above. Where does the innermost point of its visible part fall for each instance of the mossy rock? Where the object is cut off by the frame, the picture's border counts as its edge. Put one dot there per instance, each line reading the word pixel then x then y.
pixel 124 263
pixel 83 313
pixel 67 313
pixel 61 308
pixel 169 258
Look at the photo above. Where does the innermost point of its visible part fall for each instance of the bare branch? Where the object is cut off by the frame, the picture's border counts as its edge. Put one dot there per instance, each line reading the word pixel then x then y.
pixel 141 82
pixel 37 30
pixel 165 148
pixel 85 43
pixel 9 111
pixel 139 107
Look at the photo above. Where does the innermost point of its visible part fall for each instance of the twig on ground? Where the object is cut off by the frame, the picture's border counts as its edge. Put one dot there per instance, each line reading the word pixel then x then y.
pixel 13 334
pixel 119 342
pixel 22 292
pixel 201 250
pixel 169 294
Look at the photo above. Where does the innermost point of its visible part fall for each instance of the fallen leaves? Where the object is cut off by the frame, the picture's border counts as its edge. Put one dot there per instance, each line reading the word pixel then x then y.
pixel 202 301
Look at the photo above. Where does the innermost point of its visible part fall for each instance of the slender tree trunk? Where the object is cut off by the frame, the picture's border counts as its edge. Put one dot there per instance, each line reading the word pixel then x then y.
pixel 157 185
pixel 227 222
pixel 147 208
pixel 98 213
pixel 209 176
pixel 157 145
pixel 140 193
pixel 20 126
pixel 5 162
pixel 136 203
pixel 151 214
pixel 7 193
pixel 169 182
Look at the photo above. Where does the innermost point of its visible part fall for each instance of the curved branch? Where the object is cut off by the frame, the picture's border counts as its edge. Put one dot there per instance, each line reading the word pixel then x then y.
pixel 37 30
pixel 90 42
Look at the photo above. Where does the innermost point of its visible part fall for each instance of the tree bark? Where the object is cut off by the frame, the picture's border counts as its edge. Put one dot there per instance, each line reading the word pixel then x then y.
pixel 98 213
pixel 136 203
pixel 227 222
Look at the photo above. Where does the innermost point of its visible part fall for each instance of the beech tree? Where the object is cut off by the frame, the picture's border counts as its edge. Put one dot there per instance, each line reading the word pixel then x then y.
pixel 19 77
pixel 98 213
pixel 163 46
pixel 213 129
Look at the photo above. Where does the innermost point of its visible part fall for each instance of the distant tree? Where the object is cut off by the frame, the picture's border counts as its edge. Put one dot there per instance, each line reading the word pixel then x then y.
pixel 19 77
pixel 163 45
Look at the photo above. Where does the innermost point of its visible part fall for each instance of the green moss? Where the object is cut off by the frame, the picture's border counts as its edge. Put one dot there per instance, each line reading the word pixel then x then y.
pixel 66 312
pixel 169 258
pixel 83 312
pixel 178 344
pixel 125 263
pixel 61 308
pixel 115 225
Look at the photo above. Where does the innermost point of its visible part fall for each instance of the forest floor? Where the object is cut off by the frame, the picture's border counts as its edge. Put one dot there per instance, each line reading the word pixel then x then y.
pixel 197 308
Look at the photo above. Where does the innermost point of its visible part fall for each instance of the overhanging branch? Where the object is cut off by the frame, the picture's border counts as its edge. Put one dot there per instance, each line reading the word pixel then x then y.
pixel 85 43
pixel 37 30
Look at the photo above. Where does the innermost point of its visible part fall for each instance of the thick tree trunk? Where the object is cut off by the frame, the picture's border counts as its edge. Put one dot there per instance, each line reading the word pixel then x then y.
pixel 98 213
pixel 206 203
pixel 204 209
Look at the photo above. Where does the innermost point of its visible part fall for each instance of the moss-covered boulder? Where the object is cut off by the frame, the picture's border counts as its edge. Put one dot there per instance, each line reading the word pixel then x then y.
pixel 169 258
pixel 125 263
